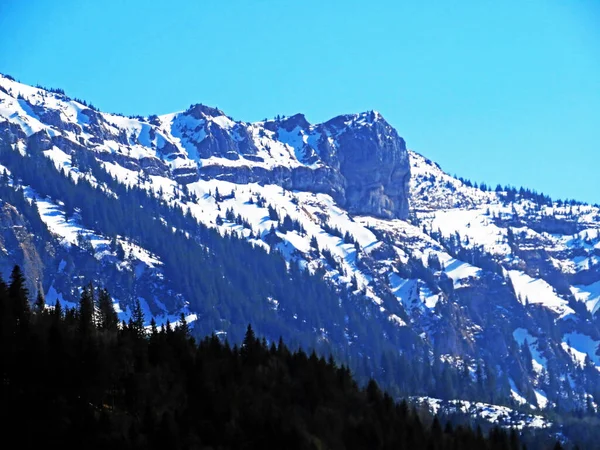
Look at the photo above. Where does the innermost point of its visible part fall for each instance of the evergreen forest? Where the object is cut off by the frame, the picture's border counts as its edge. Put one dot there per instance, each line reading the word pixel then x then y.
pixel 79 378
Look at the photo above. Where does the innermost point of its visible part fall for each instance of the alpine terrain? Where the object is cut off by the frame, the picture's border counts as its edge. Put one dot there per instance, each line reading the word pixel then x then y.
pixel 473 301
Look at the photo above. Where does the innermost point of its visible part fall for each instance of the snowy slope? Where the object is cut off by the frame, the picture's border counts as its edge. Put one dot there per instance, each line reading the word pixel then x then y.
pixel 492 413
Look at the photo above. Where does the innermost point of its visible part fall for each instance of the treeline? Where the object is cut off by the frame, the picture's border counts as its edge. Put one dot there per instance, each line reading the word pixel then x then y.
pixel 510 193
pixel 80 379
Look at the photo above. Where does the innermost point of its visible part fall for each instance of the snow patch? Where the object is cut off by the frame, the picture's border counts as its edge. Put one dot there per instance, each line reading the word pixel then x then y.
pixel 538 291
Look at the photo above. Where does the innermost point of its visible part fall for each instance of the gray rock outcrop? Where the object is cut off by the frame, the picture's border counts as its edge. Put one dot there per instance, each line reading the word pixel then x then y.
pixel 365 168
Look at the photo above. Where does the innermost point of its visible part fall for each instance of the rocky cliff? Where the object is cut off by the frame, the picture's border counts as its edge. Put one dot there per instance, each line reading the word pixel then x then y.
pixel 358 159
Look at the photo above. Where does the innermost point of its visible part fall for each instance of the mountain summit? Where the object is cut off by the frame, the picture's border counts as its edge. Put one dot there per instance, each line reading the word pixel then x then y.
pixel 358 159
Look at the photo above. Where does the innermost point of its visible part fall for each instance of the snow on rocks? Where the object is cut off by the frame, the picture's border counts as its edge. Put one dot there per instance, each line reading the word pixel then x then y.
pixel 582 347
pixel 495 414
pixel 539 362
pixel 537 291
pixel 589 294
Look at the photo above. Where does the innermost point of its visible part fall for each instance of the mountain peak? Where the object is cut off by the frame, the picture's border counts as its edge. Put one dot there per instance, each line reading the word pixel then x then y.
pixel 200 111
pixel 297 120
pixel 365 118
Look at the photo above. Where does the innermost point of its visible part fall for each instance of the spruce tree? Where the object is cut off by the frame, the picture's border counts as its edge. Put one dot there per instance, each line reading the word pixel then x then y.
pixel 249 337
pixel 40 302
pixel 19 298
pixel 272 213
pixel 184 328
pixel 314 243
pixel 250 346
pixel 58 312
pixel 153 328
pixel 6 318
pixel 87 310
pixel 137 318
pixel 108 317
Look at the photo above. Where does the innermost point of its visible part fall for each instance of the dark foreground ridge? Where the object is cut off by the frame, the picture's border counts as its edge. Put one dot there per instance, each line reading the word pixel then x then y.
pixel 80 379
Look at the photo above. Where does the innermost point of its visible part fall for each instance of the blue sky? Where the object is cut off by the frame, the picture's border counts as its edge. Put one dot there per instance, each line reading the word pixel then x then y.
pixel 495 91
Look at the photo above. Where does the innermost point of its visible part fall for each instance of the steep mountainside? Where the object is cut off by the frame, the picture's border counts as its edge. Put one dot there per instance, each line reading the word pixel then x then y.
pixel 468 293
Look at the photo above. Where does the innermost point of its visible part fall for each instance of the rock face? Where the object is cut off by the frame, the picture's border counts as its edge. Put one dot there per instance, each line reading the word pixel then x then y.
pixel 358 159
pixel 376 169
pixel 18 244
pixel 320 180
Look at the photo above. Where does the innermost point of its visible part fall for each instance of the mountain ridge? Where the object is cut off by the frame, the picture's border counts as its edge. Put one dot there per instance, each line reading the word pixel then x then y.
pixel 320 155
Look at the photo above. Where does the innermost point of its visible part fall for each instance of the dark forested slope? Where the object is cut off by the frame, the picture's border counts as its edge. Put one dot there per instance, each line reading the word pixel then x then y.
pixel 79 379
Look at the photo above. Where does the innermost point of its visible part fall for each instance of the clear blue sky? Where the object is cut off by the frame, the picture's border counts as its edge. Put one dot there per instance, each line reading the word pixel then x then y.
pixel 497 91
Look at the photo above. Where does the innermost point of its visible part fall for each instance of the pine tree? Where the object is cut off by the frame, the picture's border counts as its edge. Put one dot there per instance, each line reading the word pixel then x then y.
pixel 18 294
pixel 153 328
pixel 249 337
pixel 314 243
pixel 184 328
pixel 87 310
pixel 40 302
pixel 6 318
pixel 273 213
pixel 138 318
pixel 58 312
pixel 108 317
pixel 250 346
pixel 167 327
pixel 527 357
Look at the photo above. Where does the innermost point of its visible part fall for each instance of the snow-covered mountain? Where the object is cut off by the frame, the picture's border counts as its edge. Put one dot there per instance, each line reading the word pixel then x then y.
pixel 495 289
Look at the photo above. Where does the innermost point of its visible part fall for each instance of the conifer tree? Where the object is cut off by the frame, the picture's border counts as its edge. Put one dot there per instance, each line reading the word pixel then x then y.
pixel 18 294
pixel 40 302
pixel 153 328
pixel 58 312
pixel 250 346
pixel 87 310
pixel 108 317
pixel 184 328
pixel 250 337
pixel 6 317
pixel 314 243
pixel 137 318
pixel 273 213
